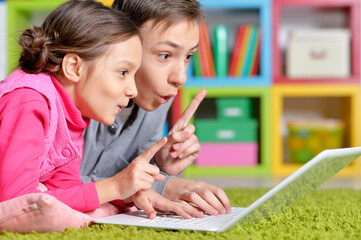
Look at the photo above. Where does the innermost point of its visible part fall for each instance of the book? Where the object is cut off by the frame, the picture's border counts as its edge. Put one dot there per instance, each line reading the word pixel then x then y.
pixel 236 52
pixel 202 55
pixel 245 43
pixel 255 67
pixel 205 51
pixel 220 49
pixel 247 51
pixel 197 70
pixel 251 53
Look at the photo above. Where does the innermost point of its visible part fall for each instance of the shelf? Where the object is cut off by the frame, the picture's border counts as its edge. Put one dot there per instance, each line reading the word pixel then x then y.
pixel 339 101
pixel 312 14
pixel 263 112
pixel 22 15
pixel 107 2
pixel 227 82
pixel 233 13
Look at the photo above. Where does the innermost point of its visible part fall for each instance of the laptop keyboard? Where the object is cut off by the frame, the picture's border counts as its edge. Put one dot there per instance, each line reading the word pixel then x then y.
pixel 207 220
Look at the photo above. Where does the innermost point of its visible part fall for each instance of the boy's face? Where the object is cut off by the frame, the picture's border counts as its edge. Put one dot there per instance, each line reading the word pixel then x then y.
pixel 166 55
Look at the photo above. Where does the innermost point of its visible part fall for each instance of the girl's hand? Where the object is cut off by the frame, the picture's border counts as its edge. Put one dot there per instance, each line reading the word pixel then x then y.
pixel 150 201
pixel 139 175
pixel 182 147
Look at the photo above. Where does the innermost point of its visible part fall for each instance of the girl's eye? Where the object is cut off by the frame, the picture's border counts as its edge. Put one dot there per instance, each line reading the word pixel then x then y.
pixel 123 72
pixel 164 56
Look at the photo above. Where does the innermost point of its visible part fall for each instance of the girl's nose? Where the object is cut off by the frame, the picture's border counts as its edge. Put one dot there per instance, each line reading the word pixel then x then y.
pixel 131 91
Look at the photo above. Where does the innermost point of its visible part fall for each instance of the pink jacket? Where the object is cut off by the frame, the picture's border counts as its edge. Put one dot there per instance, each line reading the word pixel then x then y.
pixel 60 150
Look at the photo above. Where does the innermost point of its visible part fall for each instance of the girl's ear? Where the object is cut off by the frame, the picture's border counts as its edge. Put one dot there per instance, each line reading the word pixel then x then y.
pixel 72 66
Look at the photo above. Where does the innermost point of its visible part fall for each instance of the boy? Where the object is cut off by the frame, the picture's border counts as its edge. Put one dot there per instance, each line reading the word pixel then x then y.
pixel 170 37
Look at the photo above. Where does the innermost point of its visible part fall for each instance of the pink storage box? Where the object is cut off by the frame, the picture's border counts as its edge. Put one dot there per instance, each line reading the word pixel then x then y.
pixel 228 154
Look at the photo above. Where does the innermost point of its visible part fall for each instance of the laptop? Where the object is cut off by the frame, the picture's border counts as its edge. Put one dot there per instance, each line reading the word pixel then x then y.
pixel 293 188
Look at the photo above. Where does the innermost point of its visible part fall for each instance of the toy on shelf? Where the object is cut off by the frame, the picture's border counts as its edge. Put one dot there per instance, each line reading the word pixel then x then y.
pixel 313 101
pixel 307 138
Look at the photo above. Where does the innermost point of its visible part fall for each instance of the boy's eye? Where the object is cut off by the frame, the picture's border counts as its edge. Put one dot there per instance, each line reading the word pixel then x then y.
pixel 164 56
pixel 189 57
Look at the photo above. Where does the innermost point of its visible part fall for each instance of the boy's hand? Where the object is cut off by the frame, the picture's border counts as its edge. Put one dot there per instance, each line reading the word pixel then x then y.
pixel 182 147
pixel 150 201
pixel 209 198
pixel 139 175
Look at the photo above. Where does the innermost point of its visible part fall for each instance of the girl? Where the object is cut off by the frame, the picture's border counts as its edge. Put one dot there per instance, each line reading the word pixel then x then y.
pixel 170 37
pixel 79 65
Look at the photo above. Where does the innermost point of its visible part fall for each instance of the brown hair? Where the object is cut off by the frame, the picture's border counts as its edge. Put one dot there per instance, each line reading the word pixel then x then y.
pixel 85 28
pixel 165 11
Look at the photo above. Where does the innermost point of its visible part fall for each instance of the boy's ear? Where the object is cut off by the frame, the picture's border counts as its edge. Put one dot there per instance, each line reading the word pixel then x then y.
pixel 72 67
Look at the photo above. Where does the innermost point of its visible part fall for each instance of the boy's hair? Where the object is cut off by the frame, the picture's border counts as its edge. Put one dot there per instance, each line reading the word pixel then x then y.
pixel 166 12
pixel 85 28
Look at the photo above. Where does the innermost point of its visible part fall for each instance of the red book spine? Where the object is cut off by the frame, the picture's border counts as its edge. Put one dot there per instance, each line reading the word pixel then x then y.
pixel 236 50
pixel 207 50
pixel 206 72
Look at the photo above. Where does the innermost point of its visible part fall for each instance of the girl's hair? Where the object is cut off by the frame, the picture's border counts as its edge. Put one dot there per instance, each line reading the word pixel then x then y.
pixel 85 28
pixel 160 11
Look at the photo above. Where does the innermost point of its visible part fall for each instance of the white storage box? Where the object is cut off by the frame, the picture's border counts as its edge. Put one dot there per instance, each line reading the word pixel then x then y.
pixel 321 53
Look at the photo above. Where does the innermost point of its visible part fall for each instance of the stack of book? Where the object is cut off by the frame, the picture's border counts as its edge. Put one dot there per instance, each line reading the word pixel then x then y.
pixel 215 61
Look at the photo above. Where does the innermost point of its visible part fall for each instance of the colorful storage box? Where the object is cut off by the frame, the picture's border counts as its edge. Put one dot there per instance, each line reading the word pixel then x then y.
pixel 228 154
pixel 308 138
pixel 227 131
pixel 234 108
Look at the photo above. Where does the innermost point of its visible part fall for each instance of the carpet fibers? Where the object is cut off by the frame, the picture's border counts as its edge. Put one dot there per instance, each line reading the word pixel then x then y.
pixel 324 214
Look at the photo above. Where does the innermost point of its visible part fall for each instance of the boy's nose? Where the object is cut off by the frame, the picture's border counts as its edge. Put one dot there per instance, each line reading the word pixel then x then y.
pixel 178 78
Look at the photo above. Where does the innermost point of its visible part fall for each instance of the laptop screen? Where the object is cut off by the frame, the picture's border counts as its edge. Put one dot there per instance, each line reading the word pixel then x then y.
pixel 300 183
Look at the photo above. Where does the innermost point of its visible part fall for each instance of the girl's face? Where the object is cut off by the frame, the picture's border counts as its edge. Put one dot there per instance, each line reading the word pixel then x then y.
pixel 109 82
pixel 166 55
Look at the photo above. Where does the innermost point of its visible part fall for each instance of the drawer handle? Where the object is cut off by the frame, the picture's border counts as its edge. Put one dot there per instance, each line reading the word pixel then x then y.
pixel 233 112
pixel 226 134
pixel 318 53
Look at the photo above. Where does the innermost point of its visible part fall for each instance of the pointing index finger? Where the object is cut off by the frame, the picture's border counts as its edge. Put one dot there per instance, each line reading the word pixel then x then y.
pixel 192 108
pixel 149 153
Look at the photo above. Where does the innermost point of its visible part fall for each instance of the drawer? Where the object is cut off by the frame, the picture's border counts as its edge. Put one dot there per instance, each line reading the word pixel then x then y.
pixel 318 54
pixel 227 131
pixel 234 108
pixel 228 154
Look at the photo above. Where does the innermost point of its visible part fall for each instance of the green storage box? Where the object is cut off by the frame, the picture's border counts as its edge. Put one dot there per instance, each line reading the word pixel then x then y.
pixel 227 131
pixel 234 108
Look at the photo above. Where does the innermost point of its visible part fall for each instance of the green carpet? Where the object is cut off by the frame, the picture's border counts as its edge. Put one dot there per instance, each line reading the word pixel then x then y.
pixel 324 214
